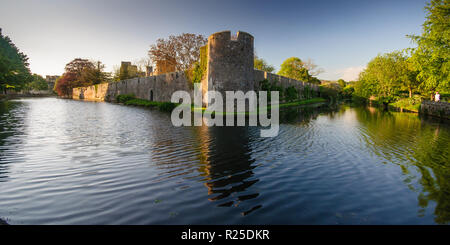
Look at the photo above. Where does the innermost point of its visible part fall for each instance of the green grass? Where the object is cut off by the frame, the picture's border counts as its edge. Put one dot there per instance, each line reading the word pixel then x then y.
pixel 130 99
pixel 303 102
pixel 288 104
pixel 410 104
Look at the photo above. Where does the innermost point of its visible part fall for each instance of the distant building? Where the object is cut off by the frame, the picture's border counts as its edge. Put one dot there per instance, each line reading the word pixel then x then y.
pixel 130 70
pixel 164 66
pixel 51 80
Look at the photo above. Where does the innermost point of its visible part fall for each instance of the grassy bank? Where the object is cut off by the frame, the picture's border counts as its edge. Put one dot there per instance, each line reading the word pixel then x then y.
pixel 288 104
pixel 303 102
pixel 406 104
pixel 129 99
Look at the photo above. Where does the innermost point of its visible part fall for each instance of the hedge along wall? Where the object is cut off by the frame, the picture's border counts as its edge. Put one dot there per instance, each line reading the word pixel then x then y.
pixel 284 82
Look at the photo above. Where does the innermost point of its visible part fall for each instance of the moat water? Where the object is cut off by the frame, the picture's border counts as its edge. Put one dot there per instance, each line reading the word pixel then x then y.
pixel 72 162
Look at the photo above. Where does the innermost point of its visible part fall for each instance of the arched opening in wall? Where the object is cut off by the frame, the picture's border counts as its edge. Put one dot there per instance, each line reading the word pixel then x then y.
pixel 151 95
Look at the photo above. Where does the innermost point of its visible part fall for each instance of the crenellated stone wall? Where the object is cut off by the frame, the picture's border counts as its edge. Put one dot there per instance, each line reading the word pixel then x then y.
pixel 437 109
pixel 230 63
pixel 282 81
pixel 229 68
pixel 161 87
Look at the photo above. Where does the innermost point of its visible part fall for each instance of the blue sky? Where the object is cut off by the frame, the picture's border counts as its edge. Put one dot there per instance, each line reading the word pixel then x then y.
pixel 340 36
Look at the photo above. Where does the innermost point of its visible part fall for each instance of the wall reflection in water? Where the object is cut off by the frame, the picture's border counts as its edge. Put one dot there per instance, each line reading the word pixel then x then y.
pixel 226 162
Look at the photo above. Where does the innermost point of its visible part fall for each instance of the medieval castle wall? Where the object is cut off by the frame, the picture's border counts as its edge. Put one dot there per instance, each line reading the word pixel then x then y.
pixel 155 88
pixel 229 68
pixel 230 63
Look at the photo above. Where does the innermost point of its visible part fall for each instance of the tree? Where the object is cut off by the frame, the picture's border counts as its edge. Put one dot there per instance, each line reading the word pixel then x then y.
pixel 78 65
pixel 14 66
pixel 181 51
pixel 80 73
pixel 37 83
pixel 431 57
pixel 142 64
pixel 94 75
pixel 386 75
pixel 294 68
pixel 65 84
pixel 313 69
pixel 341 83
pixel 262 65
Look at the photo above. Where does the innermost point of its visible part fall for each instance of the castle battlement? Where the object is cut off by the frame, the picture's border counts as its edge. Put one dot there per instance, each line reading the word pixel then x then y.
pixel 229 67
pixel 226 36
pixel 230 62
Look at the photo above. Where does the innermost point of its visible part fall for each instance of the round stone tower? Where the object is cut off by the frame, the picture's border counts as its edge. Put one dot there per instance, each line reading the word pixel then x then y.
pixel 230 62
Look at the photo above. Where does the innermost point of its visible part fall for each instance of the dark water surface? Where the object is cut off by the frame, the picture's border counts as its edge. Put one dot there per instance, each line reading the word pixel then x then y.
pixel 71 162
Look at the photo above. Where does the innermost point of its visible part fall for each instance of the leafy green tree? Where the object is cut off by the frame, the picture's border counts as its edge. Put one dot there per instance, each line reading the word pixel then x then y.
pixel 37 83
pixel 431 57
pixel 366 86
pixel 342 83
pixel 294 68
pixel 385 76
pixel 262 65
pixel 14 66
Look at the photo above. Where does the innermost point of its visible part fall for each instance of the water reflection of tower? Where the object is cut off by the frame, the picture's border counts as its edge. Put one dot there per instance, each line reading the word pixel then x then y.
pixel 227 165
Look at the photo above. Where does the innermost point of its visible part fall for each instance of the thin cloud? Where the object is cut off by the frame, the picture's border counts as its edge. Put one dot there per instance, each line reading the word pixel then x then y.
pixel 350 73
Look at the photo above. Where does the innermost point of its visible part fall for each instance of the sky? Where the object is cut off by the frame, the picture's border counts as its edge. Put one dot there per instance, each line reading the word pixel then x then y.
pixel 340 36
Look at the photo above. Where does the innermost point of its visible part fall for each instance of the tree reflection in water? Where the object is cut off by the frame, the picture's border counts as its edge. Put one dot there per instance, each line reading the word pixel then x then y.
pixel 428 151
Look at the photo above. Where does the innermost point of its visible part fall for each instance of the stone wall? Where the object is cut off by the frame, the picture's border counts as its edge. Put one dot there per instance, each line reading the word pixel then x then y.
pixel 230 67
pixel 282 81
pixel 156 88
pixel 162 87
pixel 229 63
pixel 437 109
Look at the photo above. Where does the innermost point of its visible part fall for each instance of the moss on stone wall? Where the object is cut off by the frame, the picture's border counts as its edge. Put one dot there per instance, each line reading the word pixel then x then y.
pixel 198 71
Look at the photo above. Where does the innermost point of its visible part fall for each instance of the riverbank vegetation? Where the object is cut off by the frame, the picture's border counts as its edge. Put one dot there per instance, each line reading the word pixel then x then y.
pixel 15 73
pixel 130 99
pixel 404 78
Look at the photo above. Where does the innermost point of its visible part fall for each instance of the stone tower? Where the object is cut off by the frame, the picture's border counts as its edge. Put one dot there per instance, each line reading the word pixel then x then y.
pixel 230 63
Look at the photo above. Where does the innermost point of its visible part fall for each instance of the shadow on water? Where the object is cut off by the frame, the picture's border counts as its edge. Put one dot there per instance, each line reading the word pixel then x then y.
pixel 427 145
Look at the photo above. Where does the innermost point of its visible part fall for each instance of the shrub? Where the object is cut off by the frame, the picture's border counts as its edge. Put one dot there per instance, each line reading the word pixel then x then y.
pixel 130 99
pixel 291 93
pixel 123 98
